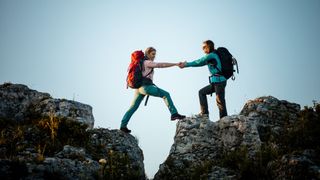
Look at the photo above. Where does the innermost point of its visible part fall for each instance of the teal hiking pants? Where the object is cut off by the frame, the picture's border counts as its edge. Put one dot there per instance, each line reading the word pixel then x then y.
pixel 140 93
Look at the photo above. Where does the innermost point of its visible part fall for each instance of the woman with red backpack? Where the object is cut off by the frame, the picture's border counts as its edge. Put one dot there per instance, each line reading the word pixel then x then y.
pixel 140 77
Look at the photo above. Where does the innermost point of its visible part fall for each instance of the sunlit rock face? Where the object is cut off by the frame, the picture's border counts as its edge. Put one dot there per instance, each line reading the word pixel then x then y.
pixel 235 147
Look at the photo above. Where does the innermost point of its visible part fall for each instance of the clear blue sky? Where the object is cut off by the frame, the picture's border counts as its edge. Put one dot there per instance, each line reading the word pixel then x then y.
pixel 81 50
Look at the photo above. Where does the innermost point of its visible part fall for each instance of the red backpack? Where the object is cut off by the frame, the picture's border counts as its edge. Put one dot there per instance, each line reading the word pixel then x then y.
pixel 135 77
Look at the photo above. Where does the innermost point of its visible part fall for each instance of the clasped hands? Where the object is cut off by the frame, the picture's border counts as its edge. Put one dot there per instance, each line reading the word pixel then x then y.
pixel 181 64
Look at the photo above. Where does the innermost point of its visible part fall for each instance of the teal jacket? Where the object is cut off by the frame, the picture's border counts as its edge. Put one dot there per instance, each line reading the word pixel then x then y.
pixel 214 78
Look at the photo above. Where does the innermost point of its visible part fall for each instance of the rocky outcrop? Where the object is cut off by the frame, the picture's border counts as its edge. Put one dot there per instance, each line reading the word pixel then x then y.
pixel 250 145
pixel 198 141
pixel 46 138
pixel 119 154
pixel 271 115
pixel 109 154
pixel 69 163
pixel 19 103
pixel 298 165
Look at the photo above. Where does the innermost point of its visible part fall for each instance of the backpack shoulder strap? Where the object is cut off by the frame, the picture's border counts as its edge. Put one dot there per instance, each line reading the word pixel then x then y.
pixel 149 73
pixel 214 61
pixel 143 68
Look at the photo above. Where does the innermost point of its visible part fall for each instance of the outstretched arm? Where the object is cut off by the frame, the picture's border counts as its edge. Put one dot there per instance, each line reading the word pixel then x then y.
pixel 161 65
pixel 197 63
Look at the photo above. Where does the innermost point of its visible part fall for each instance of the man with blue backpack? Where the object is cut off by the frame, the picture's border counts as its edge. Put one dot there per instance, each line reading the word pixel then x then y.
pixel 220 63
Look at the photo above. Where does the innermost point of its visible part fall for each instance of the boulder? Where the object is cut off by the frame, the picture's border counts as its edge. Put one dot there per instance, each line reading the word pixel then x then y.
pixel 19 103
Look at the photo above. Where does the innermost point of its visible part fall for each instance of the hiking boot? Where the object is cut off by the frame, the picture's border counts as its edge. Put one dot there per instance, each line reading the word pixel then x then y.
pixel 177 116
pixel 125 129
pixel 201 115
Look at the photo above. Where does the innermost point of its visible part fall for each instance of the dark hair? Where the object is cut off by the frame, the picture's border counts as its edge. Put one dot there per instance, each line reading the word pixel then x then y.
pixel 210 44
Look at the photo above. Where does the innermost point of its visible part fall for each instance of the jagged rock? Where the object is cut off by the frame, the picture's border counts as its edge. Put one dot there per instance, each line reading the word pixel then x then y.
pixel 200 145
pixel 114 145
pixel 230 148
pixel 66 108
pixel 34 147
pixel 271 115
pixel 121 153
pixel 217 172
pixel 18 102
pixel 70 163
pixel 70 152
pixel 238 131
pixel 15 100
pixel 199 140
pixel 296 166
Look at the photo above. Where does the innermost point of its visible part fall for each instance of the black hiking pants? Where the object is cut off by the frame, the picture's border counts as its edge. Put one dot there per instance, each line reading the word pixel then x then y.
pixel 219 89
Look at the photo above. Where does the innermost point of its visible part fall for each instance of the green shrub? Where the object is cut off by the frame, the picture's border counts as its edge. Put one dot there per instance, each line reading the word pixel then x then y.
pixel 118 166
pixel 50 134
